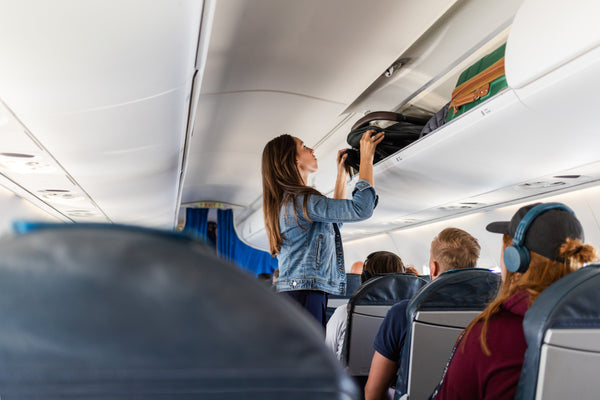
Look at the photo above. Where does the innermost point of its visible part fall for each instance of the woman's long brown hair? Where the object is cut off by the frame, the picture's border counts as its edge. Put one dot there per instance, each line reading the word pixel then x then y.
pixel 542 272
pixel 282 182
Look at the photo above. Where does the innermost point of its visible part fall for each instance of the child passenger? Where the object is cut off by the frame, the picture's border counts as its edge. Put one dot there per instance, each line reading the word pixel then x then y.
pixel 488 358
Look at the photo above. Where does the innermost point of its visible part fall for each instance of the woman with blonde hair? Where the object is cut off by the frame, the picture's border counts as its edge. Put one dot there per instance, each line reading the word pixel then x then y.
pixel 540 244
pixel 303 225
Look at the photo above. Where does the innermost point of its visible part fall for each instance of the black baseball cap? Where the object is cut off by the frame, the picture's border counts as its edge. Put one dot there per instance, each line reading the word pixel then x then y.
pixel 547 232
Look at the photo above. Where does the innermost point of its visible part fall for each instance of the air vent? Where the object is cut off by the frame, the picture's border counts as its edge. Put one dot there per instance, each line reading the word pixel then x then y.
pixel 461 206
pixel 540 185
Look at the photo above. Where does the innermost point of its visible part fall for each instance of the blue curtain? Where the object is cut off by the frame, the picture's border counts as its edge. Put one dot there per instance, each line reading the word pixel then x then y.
pixel 196 223
pixel 231 248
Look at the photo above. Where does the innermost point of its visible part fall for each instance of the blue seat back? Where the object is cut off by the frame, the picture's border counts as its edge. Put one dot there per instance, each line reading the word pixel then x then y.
pixel 367 309
pixel 118 312
pixel 436 316
pixel 334 301
pixel 562 330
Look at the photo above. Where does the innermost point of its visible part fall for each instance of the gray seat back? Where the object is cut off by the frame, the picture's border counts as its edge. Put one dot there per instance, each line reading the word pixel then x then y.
pixel 437 316
pixel 562 330
pixel 433 336
pixel 118 312
pixel 366 310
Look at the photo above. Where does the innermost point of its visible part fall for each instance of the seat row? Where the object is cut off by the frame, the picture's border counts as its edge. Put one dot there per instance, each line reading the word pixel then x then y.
pixel 562 330
pixel 106 311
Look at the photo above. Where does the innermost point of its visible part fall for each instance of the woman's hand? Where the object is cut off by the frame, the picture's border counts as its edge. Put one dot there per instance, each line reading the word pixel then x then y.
pixel 339 192
pixel 367 153
pixel 368 144
pixel 341 159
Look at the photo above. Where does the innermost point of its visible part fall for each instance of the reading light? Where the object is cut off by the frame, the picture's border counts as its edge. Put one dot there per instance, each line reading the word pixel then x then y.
pixel 461 206
pixel 540 185
pixel 60 195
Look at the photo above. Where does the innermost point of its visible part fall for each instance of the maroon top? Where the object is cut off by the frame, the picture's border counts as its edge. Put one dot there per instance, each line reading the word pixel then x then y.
pixel 474 375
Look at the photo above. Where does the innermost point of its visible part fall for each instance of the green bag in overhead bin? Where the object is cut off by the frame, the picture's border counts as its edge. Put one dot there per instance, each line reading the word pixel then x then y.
pixel 478 83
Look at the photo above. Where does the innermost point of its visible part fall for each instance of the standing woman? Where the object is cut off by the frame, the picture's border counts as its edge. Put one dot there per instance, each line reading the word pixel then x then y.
pixel 303 225
pixel 540 244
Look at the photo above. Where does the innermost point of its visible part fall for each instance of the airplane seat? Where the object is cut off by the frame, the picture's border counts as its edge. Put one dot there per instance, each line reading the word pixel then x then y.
pixel 366 310
pixel 562 330
pixel 334 301
pixel 105 311
pixel 437 315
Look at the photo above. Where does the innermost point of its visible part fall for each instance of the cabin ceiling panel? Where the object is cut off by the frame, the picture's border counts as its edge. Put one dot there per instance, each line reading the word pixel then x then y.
pixel 136 148
pixel 104 87
pixel 142 136
pixel 77 55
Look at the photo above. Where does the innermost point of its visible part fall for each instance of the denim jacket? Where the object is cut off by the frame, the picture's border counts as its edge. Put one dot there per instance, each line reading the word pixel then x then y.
pixel 311 256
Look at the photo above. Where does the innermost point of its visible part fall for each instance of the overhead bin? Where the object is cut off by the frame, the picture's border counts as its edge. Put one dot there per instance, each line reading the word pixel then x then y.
pixel 539 128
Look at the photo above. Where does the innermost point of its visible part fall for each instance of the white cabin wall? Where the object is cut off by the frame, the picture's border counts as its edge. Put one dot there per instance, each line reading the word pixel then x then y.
pixel 15 208
pixel 359 250
pixel 412 244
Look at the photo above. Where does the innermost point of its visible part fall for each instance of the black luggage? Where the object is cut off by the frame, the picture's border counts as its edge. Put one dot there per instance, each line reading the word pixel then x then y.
pixel 403 131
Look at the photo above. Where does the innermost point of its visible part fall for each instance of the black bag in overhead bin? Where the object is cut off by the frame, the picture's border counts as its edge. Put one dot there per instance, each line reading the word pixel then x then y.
pixel 402 131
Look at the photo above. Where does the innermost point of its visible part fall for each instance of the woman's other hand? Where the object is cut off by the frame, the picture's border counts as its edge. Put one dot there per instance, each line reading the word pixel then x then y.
pixel 342 169
pixel 368 145
pixel 339 192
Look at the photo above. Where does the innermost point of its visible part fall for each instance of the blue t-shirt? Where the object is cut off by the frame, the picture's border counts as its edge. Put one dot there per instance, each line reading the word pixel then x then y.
pixel 390 338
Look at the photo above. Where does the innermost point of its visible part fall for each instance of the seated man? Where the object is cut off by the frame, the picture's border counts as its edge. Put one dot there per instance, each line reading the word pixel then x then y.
pixel 379 262
pixel 451 249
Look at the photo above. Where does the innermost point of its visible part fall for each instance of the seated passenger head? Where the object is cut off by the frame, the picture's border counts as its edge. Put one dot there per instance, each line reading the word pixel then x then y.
pixel 357 267
pixel 381 262
pixel 541 243
pixel 451 249
pixel 545 243
pixel 265 277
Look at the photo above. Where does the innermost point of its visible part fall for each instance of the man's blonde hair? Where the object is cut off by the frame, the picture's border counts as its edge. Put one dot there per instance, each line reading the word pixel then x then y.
pixel 454 248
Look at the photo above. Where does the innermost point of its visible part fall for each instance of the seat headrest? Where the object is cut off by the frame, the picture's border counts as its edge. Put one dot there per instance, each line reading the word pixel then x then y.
pixel 109 311
pixel 464 289
pixel 352 283
pixel 572 302
pixel 387 289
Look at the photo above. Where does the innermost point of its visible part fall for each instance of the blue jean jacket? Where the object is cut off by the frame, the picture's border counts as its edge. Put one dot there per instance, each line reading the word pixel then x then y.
pixel 311 256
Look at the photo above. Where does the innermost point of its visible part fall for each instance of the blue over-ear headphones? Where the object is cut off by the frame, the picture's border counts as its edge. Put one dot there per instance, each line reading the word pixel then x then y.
pixel 516 256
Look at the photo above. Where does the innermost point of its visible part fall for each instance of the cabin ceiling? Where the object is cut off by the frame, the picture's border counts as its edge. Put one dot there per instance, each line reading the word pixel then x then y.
pixel 126 111
pixel 98 92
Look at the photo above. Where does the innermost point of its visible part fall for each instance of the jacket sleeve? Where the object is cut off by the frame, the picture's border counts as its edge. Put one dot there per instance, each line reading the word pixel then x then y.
pixel 360 207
